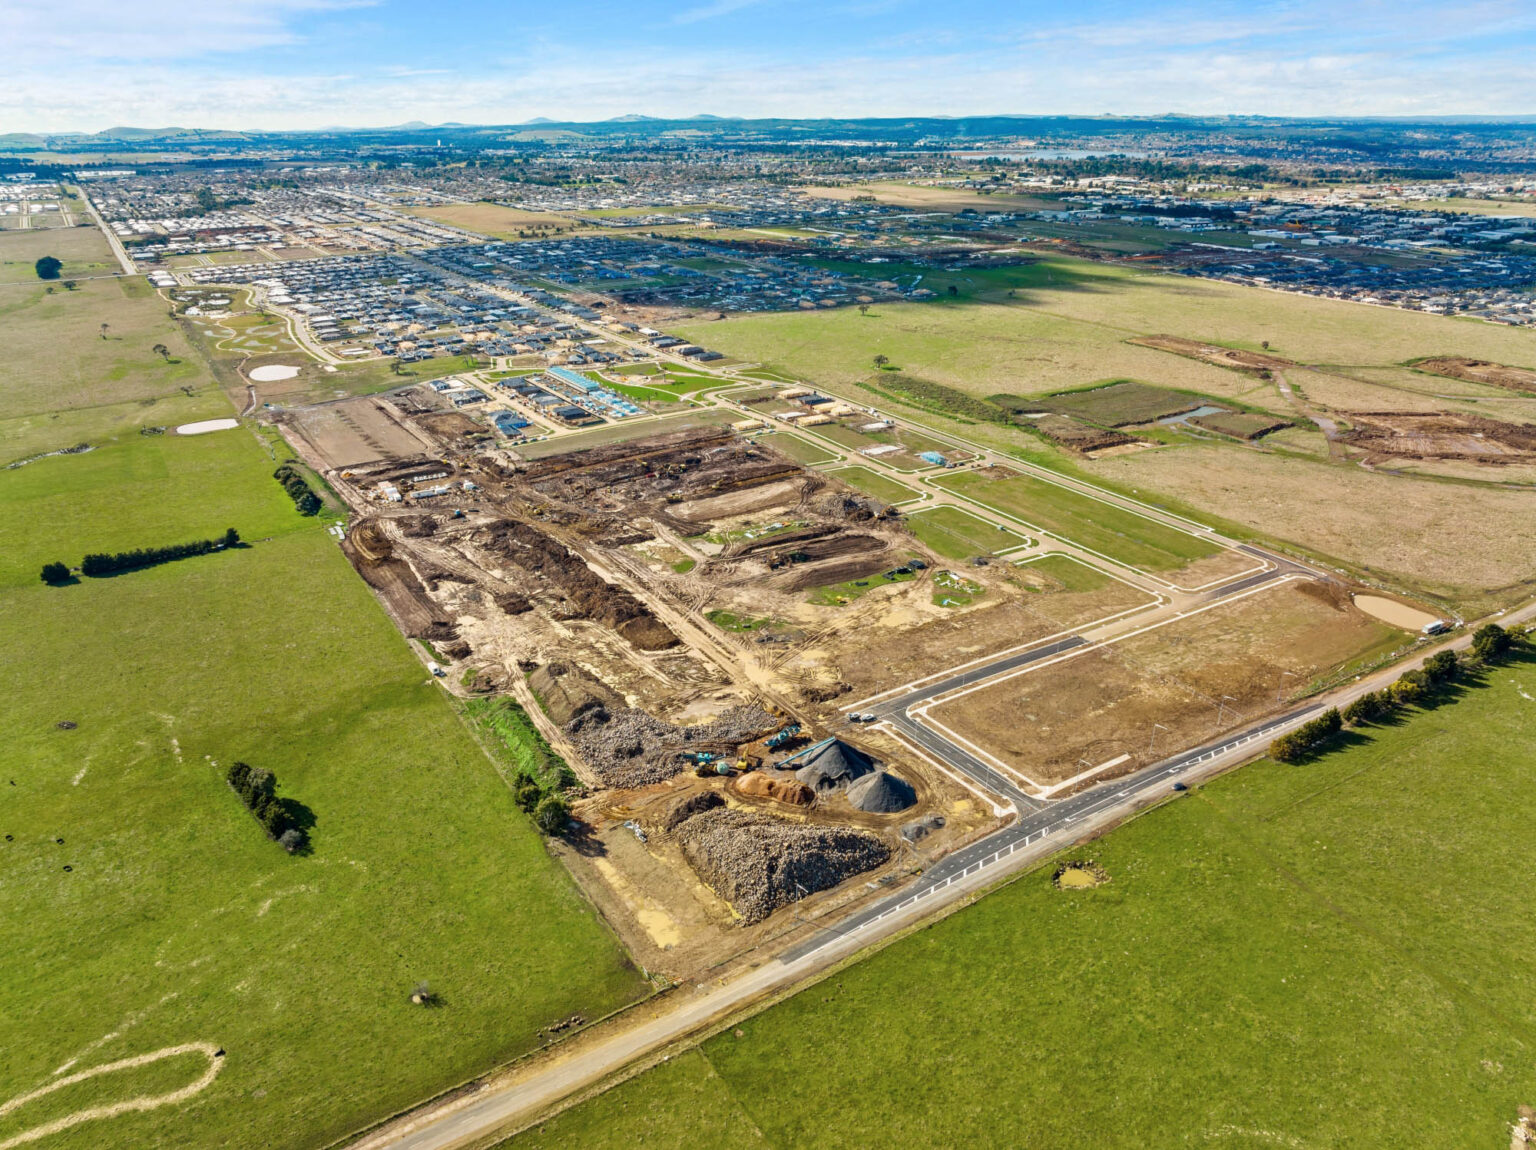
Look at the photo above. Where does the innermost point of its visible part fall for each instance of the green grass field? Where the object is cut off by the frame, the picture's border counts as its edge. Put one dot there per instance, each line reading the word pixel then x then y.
pixel 56 360
pixel 1325 955
pixel 1072 575
pixel 177 920
pixel 83 251
pixel 873 483
pixel 173 489
pixel 1109 530
pixel 1066 324
pixel 957 534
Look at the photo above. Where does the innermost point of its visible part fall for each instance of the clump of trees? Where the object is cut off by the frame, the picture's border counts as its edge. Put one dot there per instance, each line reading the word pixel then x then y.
pixel 48 268
pixel 257 788
pixel 298 489
pixel 549 808
pixel 56 574
pixel 101 563
pixel 1307 738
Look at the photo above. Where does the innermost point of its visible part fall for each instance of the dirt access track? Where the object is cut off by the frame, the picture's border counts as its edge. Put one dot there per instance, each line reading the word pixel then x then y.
pixel 1251 362
pixel 1480 371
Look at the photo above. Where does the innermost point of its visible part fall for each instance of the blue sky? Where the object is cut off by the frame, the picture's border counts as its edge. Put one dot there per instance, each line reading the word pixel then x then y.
pixel 90 64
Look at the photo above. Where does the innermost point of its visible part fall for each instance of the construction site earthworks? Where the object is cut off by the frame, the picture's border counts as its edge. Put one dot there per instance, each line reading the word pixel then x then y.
pixel 735 655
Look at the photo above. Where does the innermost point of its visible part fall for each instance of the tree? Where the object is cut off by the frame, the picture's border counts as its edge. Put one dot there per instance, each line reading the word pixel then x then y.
pixel 237 776
pixel 551 815
pixel 48 268
pixel 162 351
pixel 882 360
pixel 70 285
pixel 231 538
pixel 260 788
pixel 1490 642
pixel 1368 708
pixel 292 840
pixel 104 328
pixel 863 309
pixel 55 574
pixel 1441 667
pixel 953 291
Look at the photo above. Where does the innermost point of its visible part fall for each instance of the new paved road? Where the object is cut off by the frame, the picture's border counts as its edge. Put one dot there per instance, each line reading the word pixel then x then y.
pixel 1042 822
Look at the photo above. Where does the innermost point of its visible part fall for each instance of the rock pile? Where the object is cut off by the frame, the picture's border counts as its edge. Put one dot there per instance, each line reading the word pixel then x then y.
pixel 631 748
pixel 759 863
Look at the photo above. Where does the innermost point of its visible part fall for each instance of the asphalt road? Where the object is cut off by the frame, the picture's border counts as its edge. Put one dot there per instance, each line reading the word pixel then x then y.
pixel 1043 822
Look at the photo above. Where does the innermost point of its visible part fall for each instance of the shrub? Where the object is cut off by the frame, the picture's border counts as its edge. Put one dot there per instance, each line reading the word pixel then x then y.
pixel 237 775
pixel 1411 687
pixel 55 574
pixel 526 791
pixel 100 563
pixel 552 813
pixel 292 840
pixel 1307 738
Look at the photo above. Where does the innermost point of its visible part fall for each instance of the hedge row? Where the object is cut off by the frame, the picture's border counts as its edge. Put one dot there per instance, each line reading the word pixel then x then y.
pixel 257 788
pixel 298 488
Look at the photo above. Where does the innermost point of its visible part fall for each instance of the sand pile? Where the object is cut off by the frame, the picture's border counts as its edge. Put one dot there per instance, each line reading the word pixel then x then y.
pixel 759 863
pixel 762 786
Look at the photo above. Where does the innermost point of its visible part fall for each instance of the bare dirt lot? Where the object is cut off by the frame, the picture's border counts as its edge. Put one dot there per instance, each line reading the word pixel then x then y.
pixel 1252 362
pixel 356 431
pixel 1195 677
pixel 1481 371
pixel 1440 435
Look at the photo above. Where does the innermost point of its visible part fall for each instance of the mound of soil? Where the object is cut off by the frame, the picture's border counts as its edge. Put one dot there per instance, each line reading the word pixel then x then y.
pixel 688 806
pixel 759 863
pixel 881 793
pixel 1440 435
pixel 586 594
pixel 1481 371
pixel 1080 437
pixel 1250 362
pixel 569 694
pixel 762 786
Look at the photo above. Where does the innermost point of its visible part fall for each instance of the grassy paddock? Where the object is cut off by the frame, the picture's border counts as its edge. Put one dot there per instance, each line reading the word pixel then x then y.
pixel 1291 955
pixel 422 867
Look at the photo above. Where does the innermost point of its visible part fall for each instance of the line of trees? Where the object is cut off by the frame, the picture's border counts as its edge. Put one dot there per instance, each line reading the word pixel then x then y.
pixel 100 563
pixel 1491 644
pixel 257 788
pixel 298 488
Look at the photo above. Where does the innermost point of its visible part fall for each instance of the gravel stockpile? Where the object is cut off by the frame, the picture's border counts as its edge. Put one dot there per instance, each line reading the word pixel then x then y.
pixel 881 793
pixel 758 863
pixel 631 748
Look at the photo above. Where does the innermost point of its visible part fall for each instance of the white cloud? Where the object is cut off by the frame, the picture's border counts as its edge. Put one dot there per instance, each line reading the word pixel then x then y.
pixel 68 30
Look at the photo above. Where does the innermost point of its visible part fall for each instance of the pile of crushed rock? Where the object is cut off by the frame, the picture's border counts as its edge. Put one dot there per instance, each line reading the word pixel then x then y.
pixel 758 863
pixel 632 748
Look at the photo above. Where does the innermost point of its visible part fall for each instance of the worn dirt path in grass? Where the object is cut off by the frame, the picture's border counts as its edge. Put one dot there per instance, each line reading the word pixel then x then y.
pixel 215 1058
